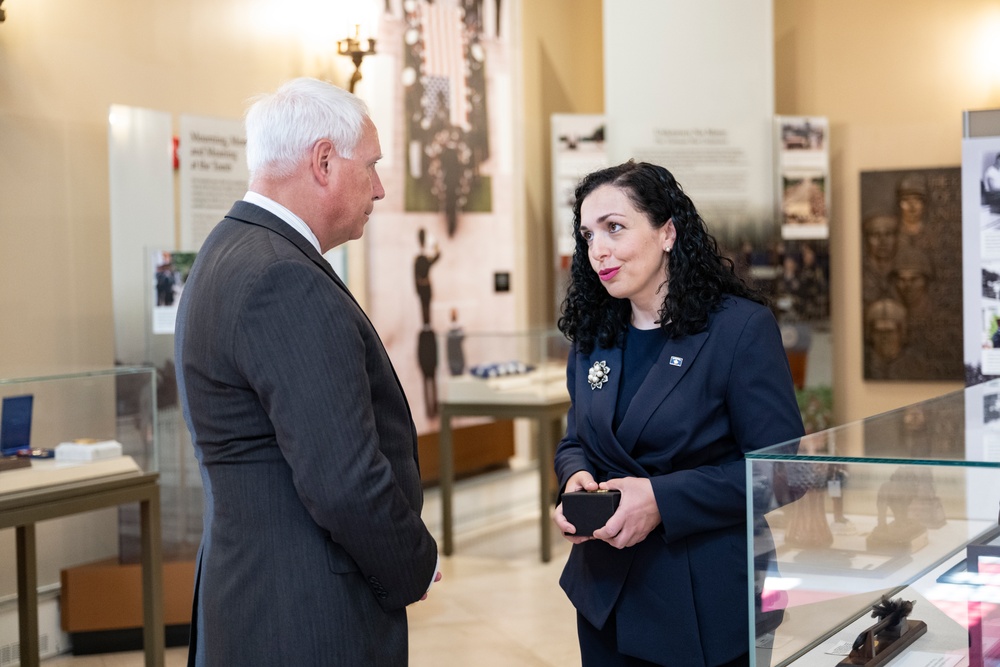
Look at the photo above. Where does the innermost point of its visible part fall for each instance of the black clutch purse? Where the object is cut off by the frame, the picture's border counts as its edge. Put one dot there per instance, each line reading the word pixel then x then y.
pixel 589 510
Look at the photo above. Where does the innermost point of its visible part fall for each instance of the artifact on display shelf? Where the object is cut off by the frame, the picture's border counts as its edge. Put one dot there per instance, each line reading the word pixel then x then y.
pixel 515 367
pixel 510 381
pixel 892 511
pixel 88 449
pixel 15 424
pixel 893 632
pixel 501 369
pixel 902 534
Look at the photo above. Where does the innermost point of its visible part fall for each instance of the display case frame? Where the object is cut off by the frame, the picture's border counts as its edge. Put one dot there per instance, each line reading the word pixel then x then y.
pixel 896 507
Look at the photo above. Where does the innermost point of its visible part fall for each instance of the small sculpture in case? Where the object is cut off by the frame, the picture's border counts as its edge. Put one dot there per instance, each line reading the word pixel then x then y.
pixel 893 632
pixel 589 510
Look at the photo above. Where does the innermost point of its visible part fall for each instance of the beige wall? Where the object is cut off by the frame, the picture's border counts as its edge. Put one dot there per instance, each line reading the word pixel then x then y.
pixel 563 73
pixel 893 78
pixel 62 64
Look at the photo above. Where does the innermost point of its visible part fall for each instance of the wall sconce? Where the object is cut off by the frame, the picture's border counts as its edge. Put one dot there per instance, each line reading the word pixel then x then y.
pixel 357 48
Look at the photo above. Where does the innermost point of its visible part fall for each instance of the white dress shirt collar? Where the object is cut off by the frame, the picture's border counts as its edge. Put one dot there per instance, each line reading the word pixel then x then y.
pixel 294 221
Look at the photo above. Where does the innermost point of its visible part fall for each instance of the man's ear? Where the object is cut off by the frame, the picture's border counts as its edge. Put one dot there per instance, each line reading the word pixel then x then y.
pixel 321 159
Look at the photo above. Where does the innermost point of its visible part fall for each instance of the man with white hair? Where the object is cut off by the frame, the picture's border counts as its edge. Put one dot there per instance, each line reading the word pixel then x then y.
pixel 313 544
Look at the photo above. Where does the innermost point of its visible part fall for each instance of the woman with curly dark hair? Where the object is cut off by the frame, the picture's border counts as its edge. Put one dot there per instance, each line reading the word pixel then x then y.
pixel 677 369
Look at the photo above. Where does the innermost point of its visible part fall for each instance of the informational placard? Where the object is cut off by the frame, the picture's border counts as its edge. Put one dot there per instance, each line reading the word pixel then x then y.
pixel 213 172
pixel 981 292
pixel 803 176
pixel 168 273
pixel 709 120
pixel 981 255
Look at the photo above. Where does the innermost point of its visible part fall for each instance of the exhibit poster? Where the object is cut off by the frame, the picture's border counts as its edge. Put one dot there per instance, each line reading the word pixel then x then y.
pixel 441 245
pixel 577 149
pixel 168 273
pixel 710 121
pixel 981 213
pixel 912 274
pixel 212 161
pixel 803 176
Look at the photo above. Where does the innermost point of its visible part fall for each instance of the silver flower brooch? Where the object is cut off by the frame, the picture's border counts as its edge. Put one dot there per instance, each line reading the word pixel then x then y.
pixel 598 374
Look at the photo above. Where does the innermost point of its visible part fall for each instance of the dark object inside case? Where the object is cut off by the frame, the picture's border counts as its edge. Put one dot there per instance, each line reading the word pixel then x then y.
pixel 15 424
pixel 589 510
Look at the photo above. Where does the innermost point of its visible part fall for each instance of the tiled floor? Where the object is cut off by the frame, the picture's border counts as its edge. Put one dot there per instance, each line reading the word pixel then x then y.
pixel 498 604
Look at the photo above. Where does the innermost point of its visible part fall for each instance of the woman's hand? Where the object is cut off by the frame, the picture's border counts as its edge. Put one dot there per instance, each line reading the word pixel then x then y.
pixel 637 513
pixel 579 481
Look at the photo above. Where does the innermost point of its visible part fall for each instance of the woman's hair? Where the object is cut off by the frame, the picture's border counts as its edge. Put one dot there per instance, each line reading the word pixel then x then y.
pixel 283 126
pixel 698 275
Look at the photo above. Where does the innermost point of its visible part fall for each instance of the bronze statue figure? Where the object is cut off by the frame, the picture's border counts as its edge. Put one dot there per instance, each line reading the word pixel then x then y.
pixel 893 632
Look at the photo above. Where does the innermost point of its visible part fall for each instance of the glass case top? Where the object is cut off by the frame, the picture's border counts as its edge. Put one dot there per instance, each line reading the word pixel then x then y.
pixel 961 428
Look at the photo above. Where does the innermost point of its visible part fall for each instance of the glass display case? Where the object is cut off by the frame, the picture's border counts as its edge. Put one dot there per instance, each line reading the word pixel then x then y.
pixel 114 405
pixel 90 490
pixel 516 367
pixel 879 539
pixel 97 409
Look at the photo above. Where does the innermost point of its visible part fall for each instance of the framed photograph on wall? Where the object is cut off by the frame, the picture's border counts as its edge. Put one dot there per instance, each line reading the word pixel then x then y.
pixel 911 256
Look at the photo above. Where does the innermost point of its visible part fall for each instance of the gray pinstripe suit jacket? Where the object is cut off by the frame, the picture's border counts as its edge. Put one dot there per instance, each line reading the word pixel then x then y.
pixel 313 543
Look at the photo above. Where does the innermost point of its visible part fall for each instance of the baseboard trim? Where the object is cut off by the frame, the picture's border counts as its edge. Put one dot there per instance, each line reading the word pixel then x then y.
pixel 125 639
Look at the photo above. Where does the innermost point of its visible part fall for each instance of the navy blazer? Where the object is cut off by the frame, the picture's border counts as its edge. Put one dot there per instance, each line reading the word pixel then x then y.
pixel 680 596
pixel 313 543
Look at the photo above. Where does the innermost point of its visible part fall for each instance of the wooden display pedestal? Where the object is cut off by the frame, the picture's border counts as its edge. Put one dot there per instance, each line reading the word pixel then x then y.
pixel 101 605
pixel 873 653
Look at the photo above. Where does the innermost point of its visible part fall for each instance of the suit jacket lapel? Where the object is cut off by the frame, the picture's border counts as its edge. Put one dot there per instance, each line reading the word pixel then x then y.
pixel 255 215
pixel 599 406
pixel 674 361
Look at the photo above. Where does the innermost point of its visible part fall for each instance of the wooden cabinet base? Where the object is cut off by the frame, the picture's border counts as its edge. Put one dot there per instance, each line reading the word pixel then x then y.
pixel 105 597
pixel 477 449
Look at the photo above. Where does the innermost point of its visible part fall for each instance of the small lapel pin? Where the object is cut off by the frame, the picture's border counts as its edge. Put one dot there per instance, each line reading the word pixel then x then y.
pixel 598 375
pixel 676 361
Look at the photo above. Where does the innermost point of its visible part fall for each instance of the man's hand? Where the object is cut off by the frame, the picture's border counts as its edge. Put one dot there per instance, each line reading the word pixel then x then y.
pixel 437 578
